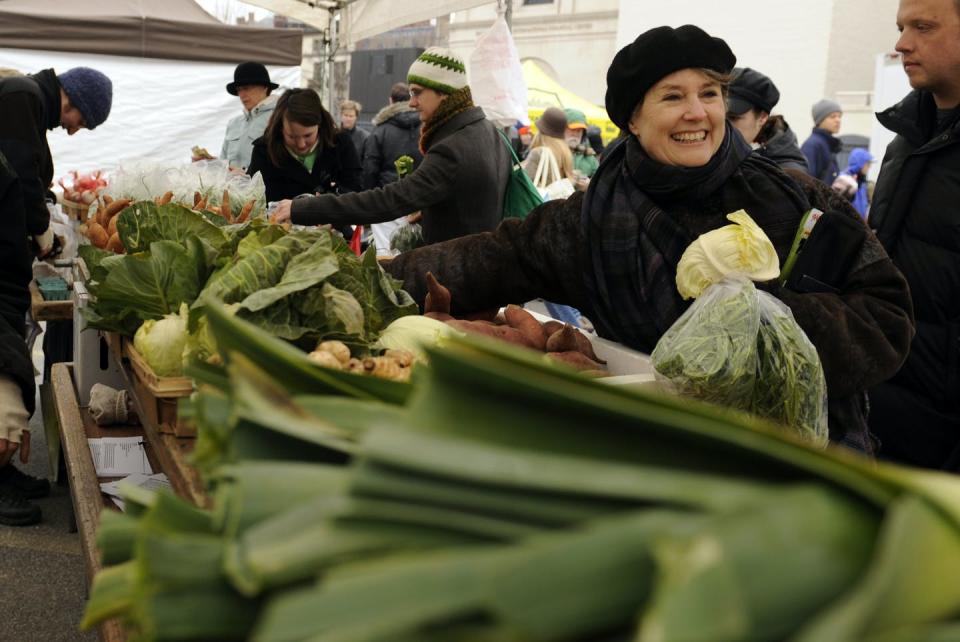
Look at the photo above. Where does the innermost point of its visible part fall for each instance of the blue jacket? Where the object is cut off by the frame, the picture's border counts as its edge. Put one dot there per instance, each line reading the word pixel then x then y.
pixel 821 153
pixel 858 158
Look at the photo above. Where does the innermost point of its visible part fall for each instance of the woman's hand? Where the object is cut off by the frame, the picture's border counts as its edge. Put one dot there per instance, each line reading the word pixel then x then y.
pixel 281 215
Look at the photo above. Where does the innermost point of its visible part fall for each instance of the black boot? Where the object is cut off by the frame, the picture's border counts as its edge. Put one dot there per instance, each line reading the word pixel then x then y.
pixel 29 487
pixel 15 510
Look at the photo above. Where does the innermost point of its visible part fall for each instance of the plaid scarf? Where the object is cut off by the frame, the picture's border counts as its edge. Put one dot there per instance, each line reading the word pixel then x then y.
pixel 456 103
pixel 635 245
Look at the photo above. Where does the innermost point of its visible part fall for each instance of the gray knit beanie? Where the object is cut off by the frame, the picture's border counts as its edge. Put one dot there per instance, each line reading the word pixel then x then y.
pixel 823 109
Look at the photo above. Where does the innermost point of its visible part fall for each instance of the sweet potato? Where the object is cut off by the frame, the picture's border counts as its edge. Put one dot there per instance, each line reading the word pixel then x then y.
pixel 490 316
pixel 438 297
pixel 115 245
pixel 575 359
pixel 197 197
pixel 439 316
pixel 97 235
pixel 563 340
pixel 225 210
pixel 552 326
pixel 584 346
pixel 529 327
pixel 487 329
pixel 107 199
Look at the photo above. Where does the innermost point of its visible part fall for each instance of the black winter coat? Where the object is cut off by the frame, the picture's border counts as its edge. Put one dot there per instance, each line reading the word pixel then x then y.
pixel 917 218
pixel 336 170
pixel 459 187
pixel 29 106
pixel 15 275
pixel 861 333
pixel 396 133
pixel 821 151
pixel 783 150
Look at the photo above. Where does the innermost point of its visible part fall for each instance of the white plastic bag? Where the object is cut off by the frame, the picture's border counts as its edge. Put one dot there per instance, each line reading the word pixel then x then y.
pixel 496 76
pixel 548 179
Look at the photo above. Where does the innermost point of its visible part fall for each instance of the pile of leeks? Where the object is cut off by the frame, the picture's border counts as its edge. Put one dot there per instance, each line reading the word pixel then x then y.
pixel 500 499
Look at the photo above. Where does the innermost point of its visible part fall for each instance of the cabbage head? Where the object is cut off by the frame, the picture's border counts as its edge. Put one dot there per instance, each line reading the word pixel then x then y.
pixel 161 342
pixel 413 333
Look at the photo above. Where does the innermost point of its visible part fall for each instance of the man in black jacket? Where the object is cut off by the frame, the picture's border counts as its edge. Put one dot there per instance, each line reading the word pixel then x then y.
pixel 916 414
pixel 79 98
pixel 16 371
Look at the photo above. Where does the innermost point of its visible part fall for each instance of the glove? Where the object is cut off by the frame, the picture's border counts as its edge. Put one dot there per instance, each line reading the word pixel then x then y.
pixel 44 242
pixel 13 417
pixel 110 406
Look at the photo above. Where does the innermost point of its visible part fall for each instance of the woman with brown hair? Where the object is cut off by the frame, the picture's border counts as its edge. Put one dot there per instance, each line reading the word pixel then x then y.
pixel 549 159
pixel 303 152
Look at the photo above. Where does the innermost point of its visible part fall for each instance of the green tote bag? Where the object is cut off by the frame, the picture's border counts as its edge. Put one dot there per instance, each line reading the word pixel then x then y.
pixel 521 196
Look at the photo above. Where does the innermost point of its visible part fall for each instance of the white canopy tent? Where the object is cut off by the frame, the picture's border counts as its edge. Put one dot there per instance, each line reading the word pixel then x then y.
pixel 169 63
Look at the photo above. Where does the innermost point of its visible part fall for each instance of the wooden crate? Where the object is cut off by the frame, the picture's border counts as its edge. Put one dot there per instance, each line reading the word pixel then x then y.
pixel 43 310
pixel 159 396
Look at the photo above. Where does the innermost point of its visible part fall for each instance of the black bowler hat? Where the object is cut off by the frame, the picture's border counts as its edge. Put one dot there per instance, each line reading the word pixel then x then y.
pixel 657 53
pixel 750 89
pixel 250 73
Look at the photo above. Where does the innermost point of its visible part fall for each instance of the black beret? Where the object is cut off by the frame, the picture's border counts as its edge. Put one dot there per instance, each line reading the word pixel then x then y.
pixel 657 53
pixel 750 89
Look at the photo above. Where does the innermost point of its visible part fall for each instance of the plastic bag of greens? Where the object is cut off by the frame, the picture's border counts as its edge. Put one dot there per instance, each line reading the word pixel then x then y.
pixel 742 348
pixel 710 352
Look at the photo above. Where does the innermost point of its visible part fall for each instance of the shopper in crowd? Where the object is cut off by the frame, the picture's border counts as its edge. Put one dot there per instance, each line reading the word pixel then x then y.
pixel 914 211
pixel 752 97
pixel 252 85
pixel 460 185
pixel 549 149
pixel 302 152
pixel 396 133
pixel 595 137
pixel 613 253
pixel 31 105
pixel 17 392
pixel 821 148
pixel 525 136
pixel 585 160
pixel 852 183
pixel 349 114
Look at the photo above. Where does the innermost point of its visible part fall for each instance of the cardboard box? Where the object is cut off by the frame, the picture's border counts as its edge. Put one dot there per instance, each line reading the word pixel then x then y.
pixel 92 361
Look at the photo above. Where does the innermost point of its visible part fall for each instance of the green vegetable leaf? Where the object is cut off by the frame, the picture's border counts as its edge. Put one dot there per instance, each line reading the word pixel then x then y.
pixel 145 222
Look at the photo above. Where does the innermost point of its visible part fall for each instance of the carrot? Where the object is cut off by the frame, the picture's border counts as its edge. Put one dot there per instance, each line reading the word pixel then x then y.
pixel 528 326
pixel 200 205
pixel 115 207
pixel 563 340
pixel 438 297
pixel 225 210
pixel 112 225
pixel 245 212
pixel 196 199
pixel 107 199
pixel 166 198
pixel 575 359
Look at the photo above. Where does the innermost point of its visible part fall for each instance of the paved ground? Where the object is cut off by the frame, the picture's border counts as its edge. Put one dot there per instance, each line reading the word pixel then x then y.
pixel 42 580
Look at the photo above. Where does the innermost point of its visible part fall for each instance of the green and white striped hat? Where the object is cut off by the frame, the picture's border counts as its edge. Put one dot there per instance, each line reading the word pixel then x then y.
pixel 439 69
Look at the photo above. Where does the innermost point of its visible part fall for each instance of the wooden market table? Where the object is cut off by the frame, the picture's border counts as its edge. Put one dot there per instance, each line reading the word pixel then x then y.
pixel 166 452
pixel 43 310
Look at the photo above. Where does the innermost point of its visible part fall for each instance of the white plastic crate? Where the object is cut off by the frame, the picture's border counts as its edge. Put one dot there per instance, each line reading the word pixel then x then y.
pixel 92 362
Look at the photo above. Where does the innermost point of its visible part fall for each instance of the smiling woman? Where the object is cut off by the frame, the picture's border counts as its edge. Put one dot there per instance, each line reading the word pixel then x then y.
pixel 613 253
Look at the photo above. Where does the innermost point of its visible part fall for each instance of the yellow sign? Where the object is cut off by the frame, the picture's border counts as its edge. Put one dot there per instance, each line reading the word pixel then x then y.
pixel 543 92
